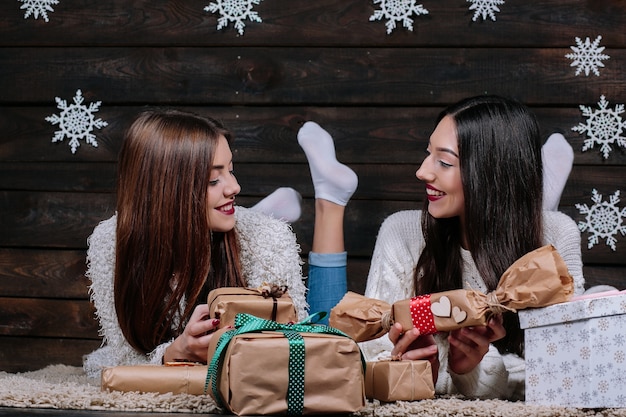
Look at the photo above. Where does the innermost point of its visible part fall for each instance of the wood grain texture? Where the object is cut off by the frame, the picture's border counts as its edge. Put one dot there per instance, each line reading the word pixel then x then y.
pixel 323 22
pixel 290 75
pixel 22 354
pixel 65 220
pixel 43 273
pixel 47 318
pixel 264 134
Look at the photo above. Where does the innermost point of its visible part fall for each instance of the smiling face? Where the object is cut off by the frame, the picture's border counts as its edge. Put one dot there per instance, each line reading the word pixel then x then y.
pixel 223 187
pixel 441 172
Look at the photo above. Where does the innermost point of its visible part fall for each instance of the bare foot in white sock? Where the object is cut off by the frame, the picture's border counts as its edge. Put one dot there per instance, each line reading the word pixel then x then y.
pixel 557 157
pixel 332 180
pixel 284 203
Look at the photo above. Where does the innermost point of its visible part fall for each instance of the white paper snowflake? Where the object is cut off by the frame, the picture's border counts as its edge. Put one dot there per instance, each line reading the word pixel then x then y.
pixel 587 56
pixel 76 121
pixel 603 219
pixel 604 127
pixel 485 8
pixel 37 7
pixel 234 11
pixel 397 11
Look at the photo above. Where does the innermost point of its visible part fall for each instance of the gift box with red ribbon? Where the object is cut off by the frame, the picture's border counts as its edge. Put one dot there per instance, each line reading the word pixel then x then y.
pixel 538 279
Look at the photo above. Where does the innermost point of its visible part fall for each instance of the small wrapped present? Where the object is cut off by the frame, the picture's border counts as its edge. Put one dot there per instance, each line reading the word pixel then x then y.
pixel 538 279
pixel 268 301
pixel 177 378
pixel 389 380
pixel 262 367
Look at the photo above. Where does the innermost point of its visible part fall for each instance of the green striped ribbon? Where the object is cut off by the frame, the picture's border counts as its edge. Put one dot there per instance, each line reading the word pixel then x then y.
pixel 247 323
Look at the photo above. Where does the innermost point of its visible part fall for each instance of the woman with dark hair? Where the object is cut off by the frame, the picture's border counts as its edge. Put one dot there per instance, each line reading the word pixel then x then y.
pixel 483 211
pixel 177 235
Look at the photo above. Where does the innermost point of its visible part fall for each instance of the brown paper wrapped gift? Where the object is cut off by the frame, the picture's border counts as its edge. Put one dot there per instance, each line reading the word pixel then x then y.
pixel 177 379
pixel 399 380
pixel 537 279
pixel 253 376
pixel 267 301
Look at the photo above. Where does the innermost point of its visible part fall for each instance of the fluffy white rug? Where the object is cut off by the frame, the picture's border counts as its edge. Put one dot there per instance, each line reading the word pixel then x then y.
pixel 67 387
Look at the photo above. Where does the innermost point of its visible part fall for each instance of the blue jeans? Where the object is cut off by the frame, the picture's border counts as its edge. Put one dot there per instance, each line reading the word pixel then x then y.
pixel 328 281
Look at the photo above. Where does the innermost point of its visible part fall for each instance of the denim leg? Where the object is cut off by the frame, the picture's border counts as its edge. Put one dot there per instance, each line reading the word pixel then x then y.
pixel 327 281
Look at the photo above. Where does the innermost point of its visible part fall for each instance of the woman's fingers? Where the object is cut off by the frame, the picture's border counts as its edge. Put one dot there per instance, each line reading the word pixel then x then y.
pixel 404 342
pixel 201 312
pixel 395 333
pixel 469 345
pixel 497 328
pixel 412 345
pixel 423 353
pixel 199 323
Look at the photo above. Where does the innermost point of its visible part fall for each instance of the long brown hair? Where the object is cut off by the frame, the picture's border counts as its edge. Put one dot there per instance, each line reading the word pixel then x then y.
pixel 501 171
pixel 166 254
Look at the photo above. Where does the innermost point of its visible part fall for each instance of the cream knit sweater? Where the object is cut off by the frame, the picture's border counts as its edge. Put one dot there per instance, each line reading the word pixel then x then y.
pixel 269 253
pixel 398 246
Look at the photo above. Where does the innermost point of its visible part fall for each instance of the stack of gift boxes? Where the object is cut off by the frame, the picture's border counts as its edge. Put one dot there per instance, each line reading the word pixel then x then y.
pixel 261 362
pixel 258 369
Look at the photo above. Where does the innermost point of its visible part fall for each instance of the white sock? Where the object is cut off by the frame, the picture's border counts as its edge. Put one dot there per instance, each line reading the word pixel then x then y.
pixel 284 203
pixel 557 157
pixel 332 180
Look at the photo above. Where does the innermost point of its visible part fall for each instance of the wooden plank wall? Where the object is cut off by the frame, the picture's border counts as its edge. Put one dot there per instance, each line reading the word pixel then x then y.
pixel 377 94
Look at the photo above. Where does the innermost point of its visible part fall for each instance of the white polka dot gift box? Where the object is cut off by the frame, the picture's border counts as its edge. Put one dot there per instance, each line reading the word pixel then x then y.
pixel 576 352
pixel 261 367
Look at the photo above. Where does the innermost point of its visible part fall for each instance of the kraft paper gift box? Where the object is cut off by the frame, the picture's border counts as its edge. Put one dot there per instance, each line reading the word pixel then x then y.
pixel 290 372
pixel 388 380
pixel 176 378
pixel 576 352
pixel 268 301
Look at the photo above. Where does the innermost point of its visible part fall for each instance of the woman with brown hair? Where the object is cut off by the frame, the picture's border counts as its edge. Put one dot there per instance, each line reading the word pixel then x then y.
pixel 177 234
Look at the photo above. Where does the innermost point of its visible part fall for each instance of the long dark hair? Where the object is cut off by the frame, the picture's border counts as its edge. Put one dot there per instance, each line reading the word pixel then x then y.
pixel 165 251
pixel 501 171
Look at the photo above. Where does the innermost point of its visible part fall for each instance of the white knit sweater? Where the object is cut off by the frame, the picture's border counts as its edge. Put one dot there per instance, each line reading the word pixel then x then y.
pixel 398 247
pixel 269 253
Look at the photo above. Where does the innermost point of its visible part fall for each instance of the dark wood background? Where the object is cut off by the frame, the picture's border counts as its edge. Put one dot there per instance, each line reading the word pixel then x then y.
pixel 377 94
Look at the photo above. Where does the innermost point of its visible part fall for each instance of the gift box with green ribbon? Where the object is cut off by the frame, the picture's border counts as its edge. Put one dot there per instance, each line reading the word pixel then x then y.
pixel 261 367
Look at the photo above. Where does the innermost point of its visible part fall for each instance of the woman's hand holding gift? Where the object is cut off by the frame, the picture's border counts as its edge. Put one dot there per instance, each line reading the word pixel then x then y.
pixel 413 346
pixel 469 345
pixel 193 343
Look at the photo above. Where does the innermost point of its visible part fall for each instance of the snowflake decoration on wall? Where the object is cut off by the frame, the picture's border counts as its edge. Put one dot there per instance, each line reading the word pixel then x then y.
pixel 587 56
pixel 397 11
pixel 37 7
pixel 485 8
pixel 76 121
pixel 234 11
pixel 604 127
pixel 603 219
